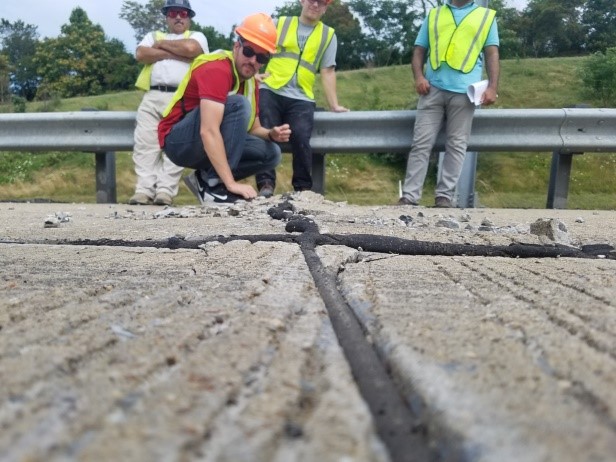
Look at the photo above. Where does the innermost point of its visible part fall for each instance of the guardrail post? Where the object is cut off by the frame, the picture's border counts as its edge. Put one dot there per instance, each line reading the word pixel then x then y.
pixel 105 174
pixel 465 187
pixel 105 178
pixel 560 172
pixel 318 172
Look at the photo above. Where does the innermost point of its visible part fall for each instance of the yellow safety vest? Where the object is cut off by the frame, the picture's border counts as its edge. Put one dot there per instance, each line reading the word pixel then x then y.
pixel 249 85
pixel 459 46
pixel 145 76
pixel 289 59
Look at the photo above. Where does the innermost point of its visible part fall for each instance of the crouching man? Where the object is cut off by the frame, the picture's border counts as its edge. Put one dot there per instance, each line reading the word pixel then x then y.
pixel 212 124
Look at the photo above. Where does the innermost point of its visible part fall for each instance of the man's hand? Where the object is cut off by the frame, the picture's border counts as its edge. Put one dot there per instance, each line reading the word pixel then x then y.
pixel 422 86
pixel 280 134
pixel 489 97
pixel 339 108
pixel 261 77
pixel 244 190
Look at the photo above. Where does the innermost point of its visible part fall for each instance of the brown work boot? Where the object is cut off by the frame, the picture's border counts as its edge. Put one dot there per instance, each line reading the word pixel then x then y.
pixel 406 201
pixel 442 202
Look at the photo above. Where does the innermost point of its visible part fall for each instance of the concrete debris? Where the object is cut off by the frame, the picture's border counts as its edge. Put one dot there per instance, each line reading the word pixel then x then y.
pixel 550 229
pixel 171 212
pixel 54 221
pixel 449 223
pixel 406 219
pixel 122 332
pixel 310 204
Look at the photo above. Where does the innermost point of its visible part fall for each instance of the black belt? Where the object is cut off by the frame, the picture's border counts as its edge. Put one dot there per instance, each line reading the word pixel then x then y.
pixel 164 88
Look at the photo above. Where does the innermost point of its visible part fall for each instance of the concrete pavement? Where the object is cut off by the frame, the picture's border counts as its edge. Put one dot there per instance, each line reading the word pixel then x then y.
pixel 227 352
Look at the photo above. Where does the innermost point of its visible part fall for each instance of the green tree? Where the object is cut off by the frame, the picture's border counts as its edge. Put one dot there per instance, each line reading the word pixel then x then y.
pixel 19 42
pixel 351 40
pixel 215 40
pixel 390 27
pixel 121 70
pixel 599 20
pixel 599 77
pixel 509 25
pixel 80 60
pixel 5 93
pixel 553 27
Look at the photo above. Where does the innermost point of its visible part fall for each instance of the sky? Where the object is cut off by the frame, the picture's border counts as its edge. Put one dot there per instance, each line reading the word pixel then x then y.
pixel 50 15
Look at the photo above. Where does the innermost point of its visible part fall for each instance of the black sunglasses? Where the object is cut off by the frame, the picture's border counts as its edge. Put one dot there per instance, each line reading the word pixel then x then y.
pixel 262 58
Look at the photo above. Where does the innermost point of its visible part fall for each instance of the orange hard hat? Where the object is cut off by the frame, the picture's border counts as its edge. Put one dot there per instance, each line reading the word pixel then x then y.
pixel 259 29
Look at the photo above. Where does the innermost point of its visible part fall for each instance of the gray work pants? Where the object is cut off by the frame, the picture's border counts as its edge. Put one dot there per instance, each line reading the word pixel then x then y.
pixel 432 109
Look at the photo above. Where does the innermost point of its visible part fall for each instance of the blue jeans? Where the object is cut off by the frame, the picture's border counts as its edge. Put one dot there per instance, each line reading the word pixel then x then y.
pixel 275 110
pixel 247 155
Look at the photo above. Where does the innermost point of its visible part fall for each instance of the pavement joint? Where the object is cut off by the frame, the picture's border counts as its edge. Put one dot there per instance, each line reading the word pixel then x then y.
pixel 402 431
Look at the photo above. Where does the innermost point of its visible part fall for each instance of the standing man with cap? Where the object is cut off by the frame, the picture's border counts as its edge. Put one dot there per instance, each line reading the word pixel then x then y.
pixel 458 37
pixel 305 46
pixel 167 58
pixel 212 124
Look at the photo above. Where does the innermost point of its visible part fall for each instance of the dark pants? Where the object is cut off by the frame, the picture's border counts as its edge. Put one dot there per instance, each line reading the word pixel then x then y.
pixel 247 155
pixel 275 110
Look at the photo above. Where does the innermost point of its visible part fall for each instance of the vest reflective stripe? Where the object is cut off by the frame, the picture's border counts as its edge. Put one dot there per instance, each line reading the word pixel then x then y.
pixel 290 59
pixel 458 45
pixel 249 85
pixel 145 76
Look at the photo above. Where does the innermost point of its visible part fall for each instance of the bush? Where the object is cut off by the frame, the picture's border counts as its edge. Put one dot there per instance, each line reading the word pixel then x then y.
pixel 19 104
pixel 599 77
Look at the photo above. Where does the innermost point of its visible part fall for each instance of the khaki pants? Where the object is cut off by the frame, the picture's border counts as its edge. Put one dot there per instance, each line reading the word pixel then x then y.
pixel 155 172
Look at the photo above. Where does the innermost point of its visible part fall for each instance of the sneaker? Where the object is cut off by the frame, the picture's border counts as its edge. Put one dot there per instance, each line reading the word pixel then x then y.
pixel 442 202
pixel 140 199
pixel 406 201
pixel 163 199
pixel 266 190
pixel 209 194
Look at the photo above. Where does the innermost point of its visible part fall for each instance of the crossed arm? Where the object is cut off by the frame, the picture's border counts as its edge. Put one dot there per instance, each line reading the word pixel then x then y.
pixel 181 50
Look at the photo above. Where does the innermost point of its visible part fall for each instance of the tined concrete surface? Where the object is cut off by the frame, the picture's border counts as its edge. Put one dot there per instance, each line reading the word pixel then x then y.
pixel 219 354
pixel 226 353
pixel 515 356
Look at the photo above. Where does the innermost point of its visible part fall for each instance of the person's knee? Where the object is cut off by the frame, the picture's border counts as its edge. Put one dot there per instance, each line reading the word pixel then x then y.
pixel 239 104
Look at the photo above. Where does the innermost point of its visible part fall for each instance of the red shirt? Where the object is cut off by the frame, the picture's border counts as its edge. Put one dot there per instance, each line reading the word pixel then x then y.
pixel 212 80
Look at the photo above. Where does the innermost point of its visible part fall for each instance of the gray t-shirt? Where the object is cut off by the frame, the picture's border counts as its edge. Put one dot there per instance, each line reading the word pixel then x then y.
pixel 292 89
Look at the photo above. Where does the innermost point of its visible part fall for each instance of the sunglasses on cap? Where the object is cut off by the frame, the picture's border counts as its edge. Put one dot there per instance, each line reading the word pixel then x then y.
pixel 183 14
pixel 262 58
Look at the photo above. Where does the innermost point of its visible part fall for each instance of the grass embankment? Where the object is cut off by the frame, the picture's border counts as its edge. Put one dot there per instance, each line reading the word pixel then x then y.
pixel 503 179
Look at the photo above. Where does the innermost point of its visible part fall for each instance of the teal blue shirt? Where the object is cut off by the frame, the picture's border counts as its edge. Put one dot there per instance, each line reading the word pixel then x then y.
pixel 445 77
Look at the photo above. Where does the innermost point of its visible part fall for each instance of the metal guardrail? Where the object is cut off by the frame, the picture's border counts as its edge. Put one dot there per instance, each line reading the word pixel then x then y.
pixel 562 132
